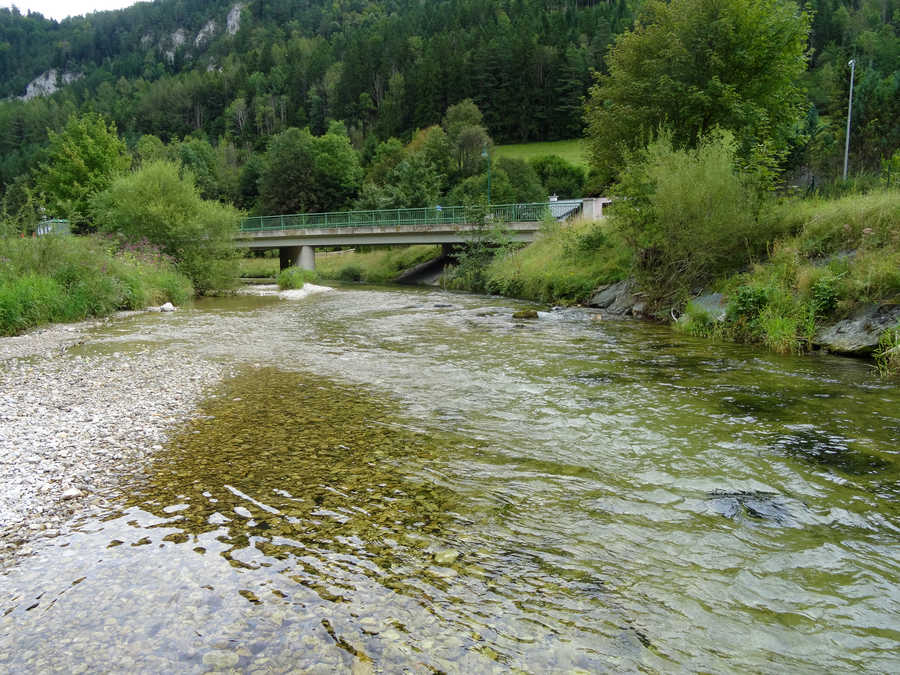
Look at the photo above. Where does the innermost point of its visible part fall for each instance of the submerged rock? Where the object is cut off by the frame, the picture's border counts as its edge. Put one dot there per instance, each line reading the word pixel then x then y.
pixel 220 659
pixel 753 503
pixel 526 314
pixel 829 450
pixel 860 333
pixel 446 557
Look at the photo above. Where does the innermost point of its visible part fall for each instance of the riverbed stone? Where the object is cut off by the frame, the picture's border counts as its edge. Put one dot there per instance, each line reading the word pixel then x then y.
pixel 446 557
pixel 71 424
pixel 220 659
pixel 859 334
pixel 168 307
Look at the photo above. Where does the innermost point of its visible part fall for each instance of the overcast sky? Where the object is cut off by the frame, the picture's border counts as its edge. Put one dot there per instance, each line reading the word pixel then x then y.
pixel 60 9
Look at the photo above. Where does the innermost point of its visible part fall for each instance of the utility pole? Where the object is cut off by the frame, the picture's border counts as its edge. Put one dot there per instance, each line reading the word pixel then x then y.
pixel 852 64
pixel 484 153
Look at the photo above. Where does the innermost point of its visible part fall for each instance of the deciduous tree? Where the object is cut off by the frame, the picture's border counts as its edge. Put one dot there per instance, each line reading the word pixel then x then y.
pixel 692 65
pixel 82 161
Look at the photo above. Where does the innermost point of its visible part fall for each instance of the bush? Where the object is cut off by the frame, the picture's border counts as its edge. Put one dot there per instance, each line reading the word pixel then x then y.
pixel 689 215
pixel 158 205
pixel 559 177
pixel 296 277
pixel 350 273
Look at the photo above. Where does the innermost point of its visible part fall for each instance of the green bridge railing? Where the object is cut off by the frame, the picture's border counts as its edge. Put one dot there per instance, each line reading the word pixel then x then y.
pixel 433 215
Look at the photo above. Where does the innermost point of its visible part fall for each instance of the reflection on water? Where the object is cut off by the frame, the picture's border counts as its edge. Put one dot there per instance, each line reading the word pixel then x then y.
pixel 412 480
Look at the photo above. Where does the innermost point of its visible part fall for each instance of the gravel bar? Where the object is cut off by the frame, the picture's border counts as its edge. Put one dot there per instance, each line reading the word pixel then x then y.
pixel 71 426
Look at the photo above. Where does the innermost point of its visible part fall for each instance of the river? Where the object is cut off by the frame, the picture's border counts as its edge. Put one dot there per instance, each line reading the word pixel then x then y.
pixel 406 479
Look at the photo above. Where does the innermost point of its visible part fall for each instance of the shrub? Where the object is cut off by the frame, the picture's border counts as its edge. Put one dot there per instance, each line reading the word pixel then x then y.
pixel 350 272
pixel 296 277
pixel 559 177
pixel 689 215
pixel 159 205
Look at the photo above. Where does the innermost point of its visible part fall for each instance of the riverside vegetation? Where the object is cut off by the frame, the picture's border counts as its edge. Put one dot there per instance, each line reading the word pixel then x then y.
pixel 54 279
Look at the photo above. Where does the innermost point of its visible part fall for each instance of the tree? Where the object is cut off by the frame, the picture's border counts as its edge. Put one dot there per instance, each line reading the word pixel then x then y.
pixel 692 65
pixel 559 177
pixel 467 137
pixel 302 172
pixel 82 161
pixel 160 203
pixel 413 182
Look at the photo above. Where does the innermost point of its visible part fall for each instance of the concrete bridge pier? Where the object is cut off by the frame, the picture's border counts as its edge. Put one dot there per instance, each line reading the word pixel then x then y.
pixel 307 257
pixel 297 256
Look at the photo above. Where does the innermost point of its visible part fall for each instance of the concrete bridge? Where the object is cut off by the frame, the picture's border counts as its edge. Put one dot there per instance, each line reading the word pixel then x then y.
pixel 296 236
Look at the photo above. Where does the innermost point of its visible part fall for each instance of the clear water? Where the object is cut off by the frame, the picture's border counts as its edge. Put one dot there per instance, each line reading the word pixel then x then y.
pixel 408 479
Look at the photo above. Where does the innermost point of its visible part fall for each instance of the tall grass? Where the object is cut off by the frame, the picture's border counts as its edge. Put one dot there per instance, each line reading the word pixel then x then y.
pixel 841 254
pixel 563 266
pixel 57 278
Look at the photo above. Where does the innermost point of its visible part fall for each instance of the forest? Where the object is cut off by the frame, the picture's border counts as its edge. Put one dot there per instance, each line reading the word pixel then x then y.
pixel 216 82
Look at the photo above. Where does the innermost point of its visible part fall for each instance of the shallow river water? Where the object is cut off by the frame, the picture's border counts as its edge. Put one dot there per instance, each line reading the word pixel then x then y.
pixel 402 480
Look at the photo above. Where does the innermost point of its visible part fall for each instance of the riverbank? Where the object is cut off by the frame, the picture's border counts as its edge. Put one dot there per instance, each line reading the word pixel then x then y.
pixel 59 278
pixel 72 425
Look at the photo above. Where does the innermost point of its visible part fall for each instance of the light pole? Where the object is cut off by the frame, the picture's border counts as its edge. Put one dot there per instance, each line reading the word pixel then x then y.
pixel 485 155
pixel 852 64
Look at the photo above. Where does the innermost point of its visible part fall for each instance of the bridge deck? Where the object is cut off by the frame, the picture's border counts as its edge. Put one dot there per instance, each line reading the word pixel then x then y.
pixel 431 216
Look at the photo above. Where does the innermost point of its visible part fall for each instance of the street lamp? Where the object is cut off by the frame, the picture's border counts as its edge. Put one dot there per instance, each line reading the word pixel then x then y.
pixel 852 64
pixel 485 155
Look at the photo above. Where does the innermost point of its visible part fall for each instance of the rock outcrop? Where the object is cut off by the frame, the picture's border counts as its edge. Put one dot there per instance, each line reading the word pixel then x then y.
pixel 48 83
pixel 859 334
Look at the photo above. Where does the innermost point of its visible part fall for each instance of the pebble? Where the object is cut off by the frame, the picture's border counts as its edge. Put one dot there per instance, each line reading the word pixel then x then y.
pixel 220 659
pixel 446 557
pixel 72 425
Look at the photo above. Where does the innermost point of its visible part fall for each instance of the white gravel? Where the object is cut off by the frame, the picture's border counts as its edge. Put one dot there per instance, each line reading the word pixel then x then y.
pixel 76 423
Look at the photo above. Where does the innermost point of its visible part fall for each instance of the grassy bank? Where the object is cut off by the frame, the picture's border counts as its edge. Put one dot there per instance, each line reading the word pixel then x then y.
pixel 563 266
pixel 252 267
pixel 839 255
pixel 58 279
